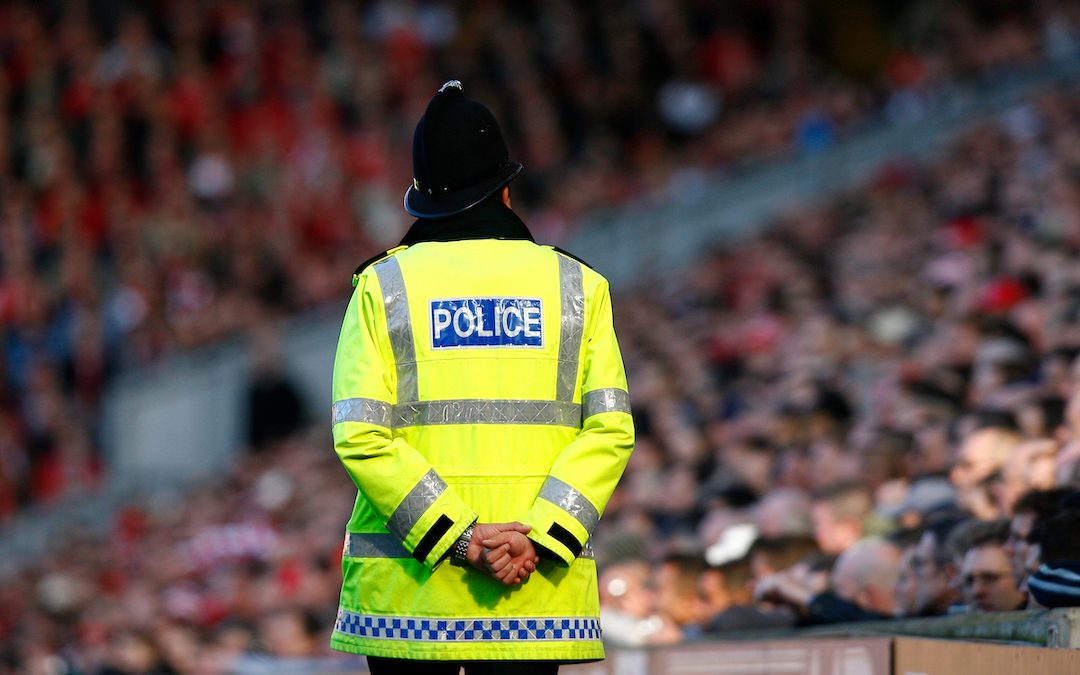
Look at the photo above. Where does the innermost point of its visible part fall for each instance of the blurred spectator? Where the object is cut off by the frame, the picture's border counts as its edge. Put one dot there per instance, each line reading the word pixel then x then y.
pixel 275 408
pixel 678 594
pixel 927 583
pixel 729 601
pixel 1032 509
pixel 1030 466
pixel 627 608
pixel 986 576
pixel 1056 582
pixel 135 653
pixel 839 513
pixel 769 555
pixel 865 576
pixel 982 454
pixel 925 498
pixel 862 586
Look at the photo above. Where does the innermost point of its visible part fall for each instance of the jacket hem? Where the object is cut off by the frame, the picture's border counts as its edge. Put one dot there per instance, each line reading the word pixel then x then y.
pixel 515 651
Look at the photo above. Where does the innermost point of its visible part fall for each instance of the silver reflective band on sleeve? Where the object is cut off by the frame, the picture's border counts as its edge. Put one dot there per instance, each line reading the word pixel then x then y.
pixel 399 327
pixel 374 545
pixel 366 410
pixel 570 500
pixel 604 401
pixel 415 505
pixel 485 411
pixel 573 327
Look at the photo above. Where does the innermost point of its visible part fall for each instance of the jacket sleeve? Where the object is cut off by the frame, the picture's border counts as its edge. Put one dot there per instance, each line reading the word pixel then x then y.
pixel 585 473
pixel 828 607
pixel 409 496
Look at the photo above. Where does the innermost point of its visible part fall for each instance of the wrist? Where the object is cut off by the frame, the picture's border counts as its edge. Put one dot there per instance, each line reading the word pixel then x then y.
pixel 461 546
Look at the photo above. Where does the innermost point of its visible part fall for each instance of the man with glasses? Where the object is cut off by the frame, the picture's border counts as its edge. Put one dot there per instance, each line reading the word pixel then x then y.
pixel 986 577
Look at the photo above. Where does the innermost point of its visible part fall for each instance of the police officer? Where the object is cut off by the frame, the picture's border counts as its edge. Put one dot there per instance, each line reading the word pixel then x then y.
pixel 480 406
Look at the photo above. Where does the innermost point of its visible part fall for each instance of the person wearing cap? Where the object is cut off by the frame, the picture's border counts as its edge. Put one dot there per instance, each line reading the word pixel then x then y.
pixel 1056 581
pixel 480 407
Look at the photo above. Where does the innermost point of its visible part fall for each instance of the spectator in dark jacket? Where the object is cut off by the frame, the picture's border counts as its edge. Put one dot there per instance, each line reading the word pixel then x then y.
pixel 863 586
pixel 1056 583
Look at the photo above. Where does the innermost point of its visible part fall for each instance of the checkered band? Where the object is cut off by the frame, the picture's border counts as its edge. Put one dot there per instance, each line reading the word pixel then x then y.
pixel 416 629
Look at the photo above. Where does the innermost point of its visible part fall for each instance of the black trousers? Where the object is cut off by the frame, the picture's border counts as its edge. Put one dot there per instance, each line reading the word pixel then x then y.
pixel 383 666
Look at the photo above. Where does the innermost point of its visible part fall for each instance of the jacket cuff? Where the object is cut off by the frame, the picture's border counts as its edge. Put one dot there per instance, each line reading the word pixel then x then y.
pixel 438 530
pixel 556 531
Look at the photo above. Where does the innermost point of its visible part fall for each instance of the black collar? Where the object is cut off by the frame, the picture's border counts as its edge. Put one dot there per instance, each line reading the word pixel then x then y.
pixel 490 219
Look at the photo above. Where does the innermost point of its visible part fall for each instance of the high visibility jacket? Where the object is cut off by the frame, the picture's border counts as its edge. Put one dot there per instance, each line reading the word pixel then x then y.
pixel 476 380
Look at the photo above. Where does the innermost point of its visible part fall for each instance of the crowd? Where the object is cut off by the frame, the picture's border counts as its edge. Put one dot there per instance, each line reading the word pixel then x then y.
pixel 193 583
pixel 870 410
pixel 174 173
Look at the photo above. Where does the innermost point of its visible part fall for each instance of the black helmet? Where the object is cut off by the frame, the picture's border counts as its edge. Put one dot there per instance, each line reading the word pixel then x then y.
pixel 459 156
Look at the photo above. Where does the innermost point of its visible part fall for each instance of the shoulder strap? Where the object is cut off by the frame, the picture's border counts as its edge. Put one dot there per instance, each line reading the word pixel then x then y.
pixel 372 260
pixel 570 255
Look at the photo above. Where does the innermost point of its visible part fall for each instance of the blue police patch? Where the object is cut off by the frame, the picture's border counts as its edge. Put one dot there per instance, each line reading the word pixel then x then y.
pixel 487 322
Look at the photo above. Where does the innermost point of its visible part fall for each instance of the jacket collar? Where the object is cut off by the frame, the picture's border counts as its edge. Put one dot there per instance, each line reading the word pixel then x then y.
pixel 490 219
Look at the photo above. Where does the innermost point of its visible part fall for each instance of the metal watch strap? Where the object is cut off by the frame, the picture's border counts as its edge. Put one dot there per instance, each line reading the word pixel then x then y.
pixel 461 547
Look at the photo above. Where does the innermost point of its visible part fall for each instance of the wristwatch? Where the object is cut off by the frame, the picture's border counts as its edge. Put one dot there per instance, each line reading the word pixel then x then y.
pixel 461 547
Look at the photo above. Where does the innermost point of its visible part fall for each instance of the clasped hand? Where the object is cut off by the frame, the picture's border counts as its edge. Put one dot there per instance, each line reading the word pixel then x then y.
pixel 503 551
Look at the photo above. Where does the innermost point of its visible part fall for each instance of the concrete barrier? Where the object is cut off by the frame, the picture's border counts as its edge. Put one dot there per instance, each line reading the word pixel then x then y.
pixel 1043 627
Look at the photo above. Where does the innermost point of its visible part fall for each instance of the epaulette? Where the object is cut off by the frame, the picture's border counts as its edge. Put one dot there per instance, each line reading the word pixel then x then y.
pixel 371 261
pixel 571 255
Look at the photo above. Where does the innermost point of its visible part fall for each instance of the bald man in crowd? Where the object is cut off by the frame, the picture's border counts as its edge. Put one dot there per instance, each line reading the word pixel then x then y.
pixel 863 584
pixel 866 576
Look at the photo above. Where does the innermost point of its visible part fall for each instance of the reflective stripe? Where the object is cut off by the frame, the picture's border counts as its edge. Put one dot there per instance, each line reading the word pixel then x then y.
pixel 385 545
pixel 374 545
pixel 399 327
pixel 366 410
pixel 450 629
pixel 415 505
pixel 459 411
pixel 603 401
pixel 484 411
pixel 573 327
pixel 570 500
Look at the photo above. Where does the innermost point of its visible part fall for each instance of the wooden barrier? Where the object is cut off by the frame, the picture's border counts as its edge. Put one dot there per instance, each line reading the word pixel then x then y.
pixel 856 656
pixel 921 656
pixel 853 656
pixel 1012 643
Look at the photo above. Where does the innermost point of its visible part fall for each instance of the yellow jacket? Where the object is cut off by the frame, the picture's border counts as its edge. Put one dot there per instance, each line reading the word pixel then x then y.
pixel 476 379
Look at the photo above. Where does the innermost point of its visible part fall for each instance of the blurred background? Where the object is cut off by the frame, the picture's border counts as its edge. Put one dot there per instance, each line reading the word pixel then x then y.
pixel 841 236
